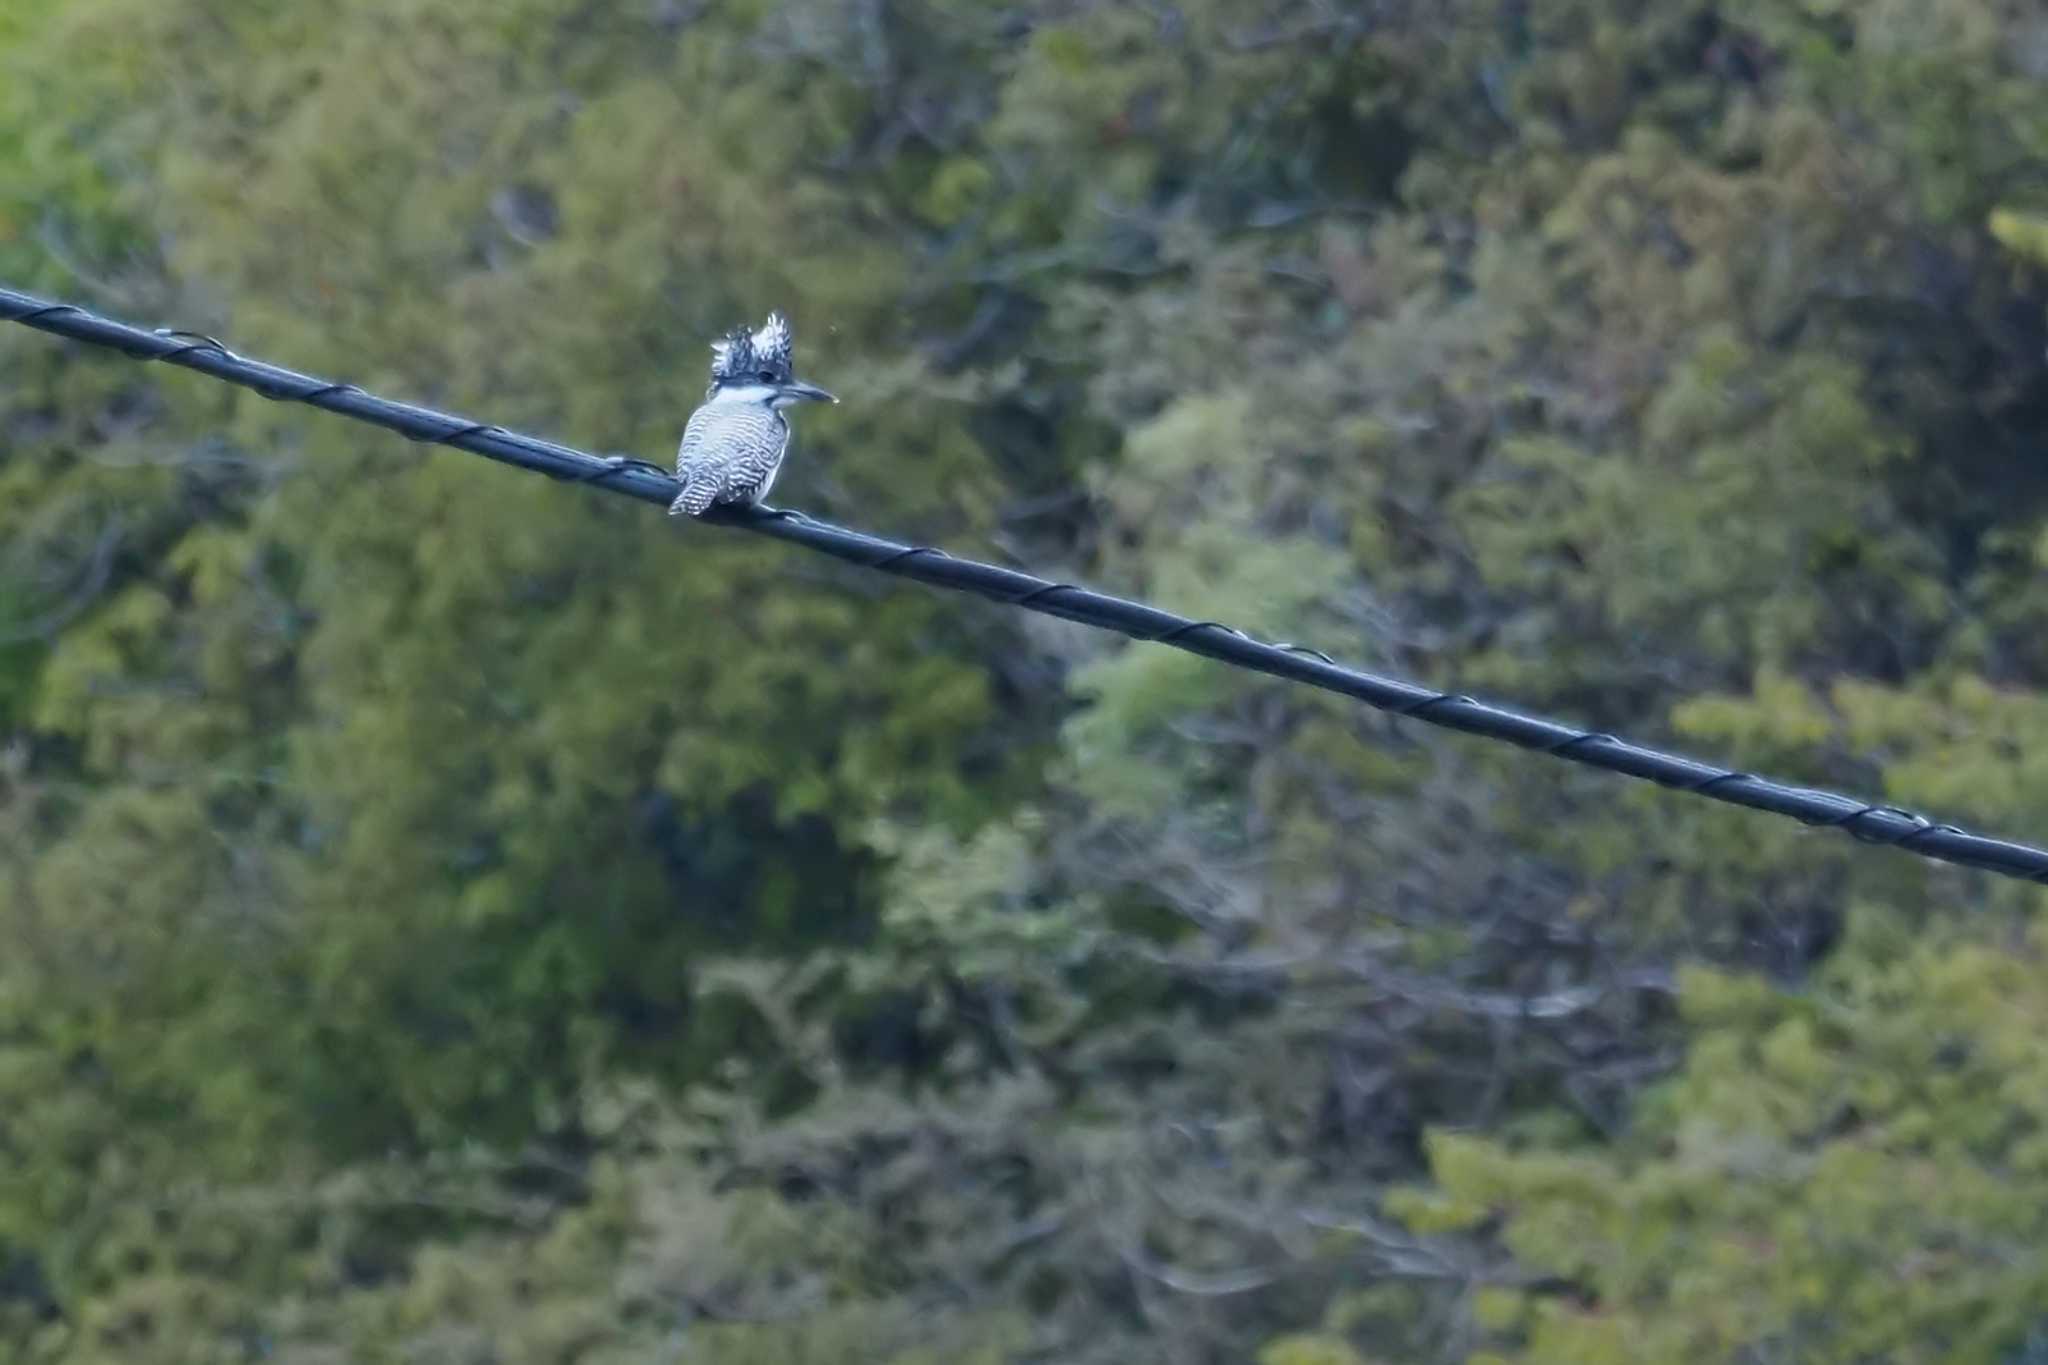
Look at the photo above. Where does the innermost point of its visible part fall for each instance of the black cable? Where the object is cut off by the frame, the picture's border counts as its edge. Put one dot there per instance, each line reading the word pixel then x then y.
pixel 1875 824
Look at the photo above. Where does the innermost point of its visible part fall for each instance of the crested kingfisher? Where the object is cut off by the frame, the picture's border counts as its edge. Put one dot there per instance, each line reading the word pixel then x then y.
pixel 732 448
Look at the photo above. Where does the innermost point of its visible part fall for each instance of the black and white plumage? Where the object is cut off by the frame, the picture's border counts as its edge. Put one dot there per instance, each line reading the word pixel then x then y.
pixel 732 448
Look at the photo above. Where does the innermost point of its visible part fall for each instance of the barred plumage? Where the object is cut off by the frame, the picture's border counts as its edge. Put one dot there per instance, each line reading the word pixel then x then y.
pixel 731 452
pixel 732 448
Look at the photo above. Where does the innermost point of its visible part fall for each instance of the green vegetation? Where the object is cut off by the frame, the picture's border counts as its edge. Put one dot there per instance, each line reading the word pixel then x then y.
pixel 451 917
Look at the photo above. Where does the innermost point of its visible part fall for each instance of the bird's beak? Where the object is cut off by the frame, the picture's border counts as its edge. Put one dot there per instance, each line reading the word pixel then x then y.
pixel 796 388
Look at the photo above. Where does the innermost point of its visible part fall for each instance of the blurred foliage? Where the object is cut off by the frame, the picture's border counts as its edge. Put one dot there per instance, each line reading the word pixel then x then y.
pixel 1838 1175
pixel 446 916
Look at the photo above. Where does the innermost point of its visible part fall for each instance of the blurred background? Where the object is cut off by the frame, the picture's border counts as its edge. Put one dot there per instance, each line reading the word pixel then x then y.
pixel 447 916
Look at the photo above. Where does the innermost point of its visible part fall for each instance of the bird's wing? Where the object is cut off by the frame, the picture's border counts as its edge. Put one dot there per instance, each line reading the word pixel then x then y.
pixel 741 440
pixel 697 436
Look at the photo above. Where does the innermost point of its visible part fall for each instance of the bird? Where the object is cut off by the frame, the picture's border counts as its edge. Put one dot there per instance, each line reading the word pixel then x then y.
pixel 733 445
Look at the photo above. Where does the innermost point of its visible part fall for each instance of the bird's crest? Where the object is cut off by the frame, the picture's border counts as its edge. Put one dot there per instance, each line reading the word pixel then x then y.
pixel 743 355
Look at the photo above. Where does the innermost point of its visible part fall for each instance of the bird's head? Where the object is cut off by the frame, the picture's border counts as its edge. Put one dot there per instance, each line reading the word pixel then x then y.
pixel 756 367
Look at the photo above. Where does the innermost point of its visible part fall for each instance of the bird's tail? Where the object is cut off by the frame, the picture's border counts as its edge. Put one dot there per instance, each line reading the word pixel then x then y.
pixel 697 495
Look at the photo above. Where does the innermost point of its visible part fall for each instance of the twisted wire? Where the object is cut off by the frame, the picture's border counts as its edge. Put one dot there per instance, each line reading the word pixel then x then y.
pixel 1872 823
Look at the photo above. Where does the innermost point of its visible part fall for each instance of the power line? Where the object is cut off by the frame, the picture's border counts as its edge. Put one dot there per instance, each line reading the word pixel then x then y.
pixel 1876 824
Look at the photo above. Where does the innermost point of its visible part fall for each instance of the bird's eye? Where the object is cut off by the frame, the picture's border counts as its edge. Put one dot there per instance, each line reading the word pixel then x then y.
pixel 767 376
